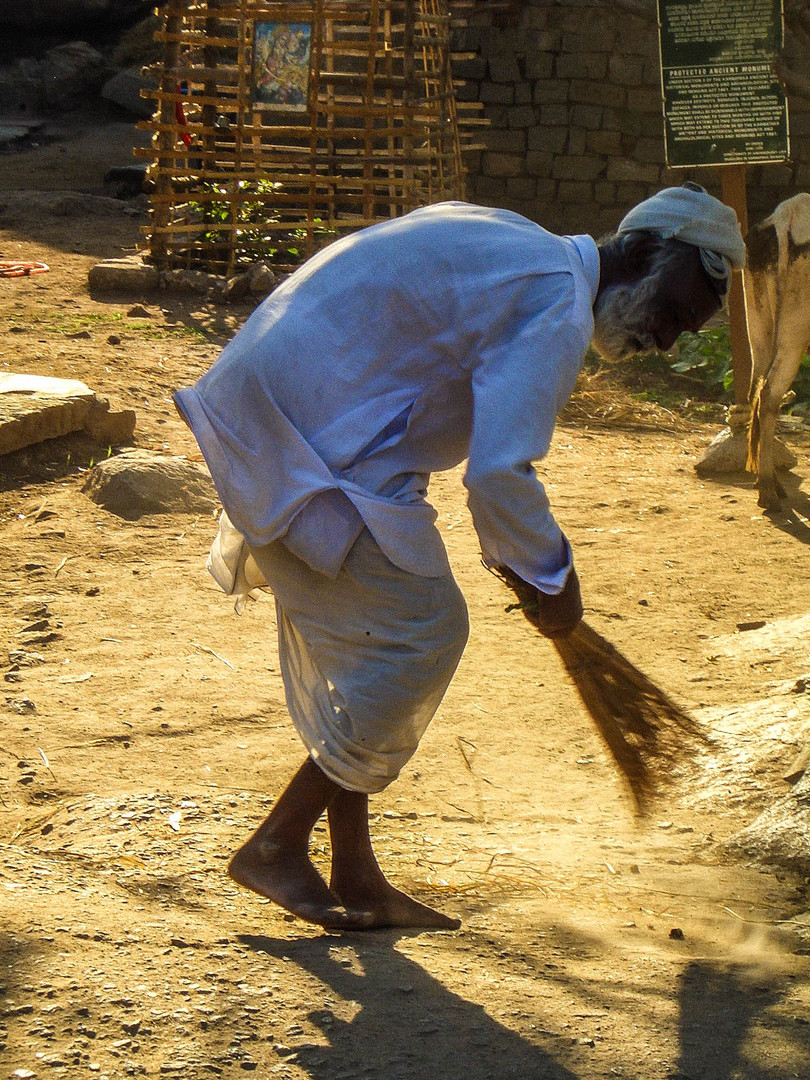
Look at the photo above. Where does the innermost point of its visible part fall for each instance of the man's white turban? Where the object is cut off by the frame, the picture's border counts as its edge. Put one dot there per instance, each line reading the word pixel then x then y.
pixel 691 214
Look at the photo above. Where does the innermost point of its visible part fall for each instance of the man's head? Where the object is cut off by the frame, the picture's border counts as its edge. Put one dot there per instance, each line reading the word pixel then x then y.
pixel 666 270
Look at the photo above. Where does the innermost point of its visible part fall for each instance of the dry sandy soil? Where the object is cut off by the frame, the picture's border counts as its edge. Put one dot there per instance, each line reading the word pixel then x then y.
pixel 152 736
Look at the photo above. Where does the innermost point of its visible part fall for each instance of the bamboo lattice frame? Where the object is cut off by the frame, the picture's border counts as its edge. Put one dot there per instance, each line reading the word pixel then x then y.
pixel 248 163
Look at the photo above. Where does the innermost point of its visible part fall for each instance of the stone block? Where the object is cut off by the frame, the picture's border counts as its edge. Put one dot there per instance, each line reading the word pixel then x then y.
pixel 128 274
pixel 594 39
pixel 496 115
pixel 613 120
pixel 473 162
pixel 545 195
pixel 197 281
pixel 587 116
pixel 539 162
pixel 603 220
pixel 26 419
pixel 552 116
pixel 509 41
pixel 548 139
pixel 622 169
pixel 504 165
pixel 523 93
pixel 474 68
pixel 124 90
pixel 107 427
pixel 504 142
pixel 34 409
pixel 490 190
pixel 497 93
pixel 521 116
pixel 576 192
pixel 586 92
pixel 520 188
pixel 607 143
pixel 604 192
pixel 799 124
pixel 262 279
pixel 581 65
pixel 140 482
pixel 71 73
pixel 467 91
pixel 543 35
pixel 550 91
pixel 626 121
pixel 576 141
pixel 540 65
pixel 645 99
pixel 650 150
pixel 504 69
pixel 626 71
pixel 632 192
pixel 582 167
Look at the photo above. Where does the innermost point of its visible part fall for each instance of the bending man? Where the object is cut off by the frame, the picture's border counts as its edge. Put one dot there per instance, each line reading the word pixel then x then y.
pixel 455 332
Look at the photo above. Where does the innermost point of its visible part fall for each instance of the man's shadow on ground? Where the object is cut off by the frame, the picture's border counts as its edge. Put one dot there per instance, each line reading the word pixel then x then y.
pixel 423 1029
pixel 719 1005
pixel 427 1031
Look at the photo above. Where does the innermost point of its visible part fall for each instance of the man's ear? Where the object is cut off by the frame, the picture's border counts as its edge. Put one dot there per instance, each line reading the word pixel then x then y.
pixel 639 247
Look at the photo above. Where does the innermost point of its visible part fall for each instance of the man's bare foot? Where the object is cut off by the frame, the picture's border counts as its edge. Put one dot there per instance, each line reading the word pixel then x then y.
pixel 391 907
pixel 292 882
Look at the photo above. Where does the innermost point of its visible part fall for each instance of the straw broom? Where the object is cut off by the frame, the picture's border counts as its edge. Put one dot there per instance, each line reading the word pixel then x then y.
pixel 648 735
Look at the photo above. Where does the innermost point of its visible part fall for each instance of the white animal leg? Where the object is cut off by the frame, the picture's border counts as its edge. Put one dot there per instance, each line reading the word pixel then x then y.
pixel 766 410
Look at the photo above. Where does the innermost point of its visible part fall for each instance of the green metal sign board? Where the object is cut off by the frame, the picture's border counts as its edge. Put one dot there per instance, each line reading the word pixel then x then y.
pixel 722 103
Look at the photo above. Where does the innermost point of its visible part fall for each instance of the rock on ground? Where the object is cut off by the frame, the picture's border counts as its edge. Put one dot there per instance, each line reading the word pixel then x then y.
pixel 780 836
pixel 140 482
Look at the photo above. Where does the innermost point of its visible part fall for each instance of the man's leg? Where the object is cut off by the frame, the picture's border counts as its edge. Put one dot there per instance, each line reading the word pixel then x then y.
pixel 357 878
pixel 275 860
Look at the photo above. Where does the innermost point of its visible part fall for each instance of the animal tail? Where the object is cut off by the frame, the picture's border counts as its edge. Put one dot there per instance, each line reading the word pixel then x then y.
pixel 755 428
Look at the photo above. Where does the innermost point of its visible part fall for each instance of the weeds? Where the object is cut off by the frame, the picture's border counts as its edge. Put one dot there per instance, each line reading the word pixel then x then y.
pixel 257 236
pixel 706 356
pixel 698 377
pixel 73 324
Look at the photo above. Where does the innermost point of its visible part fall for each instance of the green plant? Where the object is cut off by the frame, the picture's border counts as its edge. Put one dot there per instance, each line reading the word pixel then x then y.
pixel 801 386
pixel 706 356
pixel 249 208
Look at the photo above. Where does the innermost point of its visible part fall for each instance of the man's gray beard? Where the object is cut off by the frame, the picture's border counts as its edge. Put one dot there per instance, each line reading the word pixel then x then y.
pixel 621 318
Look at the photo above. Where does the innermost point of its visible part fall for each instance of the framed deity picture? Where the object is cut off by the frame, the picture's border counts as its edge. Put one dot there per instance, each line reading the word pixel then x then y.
pixel 280 76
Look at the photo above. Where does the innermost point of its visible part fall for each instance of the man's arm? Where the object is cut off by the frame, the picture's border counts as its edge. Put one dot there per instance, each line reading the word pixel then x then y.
pixel 519 385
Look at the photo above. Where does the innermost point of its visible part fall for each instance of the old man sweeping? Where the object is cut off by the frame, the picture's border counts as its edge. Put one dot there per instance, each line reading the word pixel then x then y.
pixel 453 333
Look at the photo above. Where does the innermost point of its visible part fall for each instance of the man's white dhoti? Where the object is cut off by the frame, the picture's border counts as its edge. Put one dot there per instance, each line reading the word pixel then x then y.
pixel 366 657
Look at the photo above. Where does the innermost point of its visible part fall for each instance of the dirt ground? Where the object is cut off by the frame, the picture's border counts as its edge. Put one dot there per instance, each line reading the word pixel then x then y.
pixel 150 736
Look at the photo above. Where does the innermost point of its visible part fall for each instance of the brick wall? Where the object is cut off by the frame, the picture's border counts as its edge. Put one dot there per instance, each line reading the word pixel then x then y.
pixel 572 93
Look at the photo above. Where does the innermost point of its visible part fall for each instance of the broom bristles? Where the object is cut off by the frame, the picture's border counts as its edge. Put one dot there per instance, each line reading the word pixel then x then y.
pixel 647 733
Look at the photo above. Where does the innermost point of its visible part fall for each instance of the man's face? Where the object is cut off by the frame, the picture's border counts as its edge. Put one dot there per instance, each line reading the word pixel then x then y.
pixel 650 314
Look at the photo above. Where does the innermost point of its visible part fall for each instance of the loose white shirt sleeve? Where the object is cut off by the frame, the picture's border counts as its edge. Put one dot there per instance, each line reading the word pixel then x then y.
pixel 519 388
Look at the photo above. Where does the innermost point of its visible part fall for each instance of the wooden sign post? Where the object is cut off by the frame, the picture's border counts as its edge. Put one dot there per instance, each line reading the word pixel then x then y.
pixel 732 179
